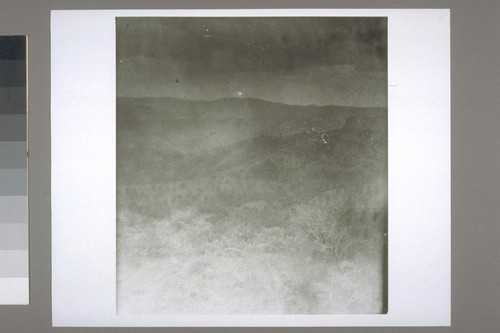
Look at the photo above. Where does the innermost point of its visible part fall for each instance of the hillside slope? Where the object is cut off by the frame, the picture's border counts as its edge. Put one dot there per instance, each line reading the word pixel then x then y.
pixel 250 207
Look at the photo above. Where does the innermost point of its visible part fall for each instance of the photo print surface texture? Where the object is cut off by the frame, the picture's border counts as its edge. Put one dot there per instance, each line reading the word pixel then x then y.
pixel 251 159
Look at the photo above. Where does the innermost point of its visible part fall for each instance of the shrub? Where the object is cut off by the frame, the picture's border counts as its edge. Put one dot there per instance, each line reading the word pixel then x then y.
pixel 338 223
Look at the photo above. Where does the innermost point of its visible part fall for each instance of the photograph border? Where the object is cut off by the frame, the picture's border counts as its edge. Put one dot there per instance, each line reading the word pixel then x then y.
pixel 81 183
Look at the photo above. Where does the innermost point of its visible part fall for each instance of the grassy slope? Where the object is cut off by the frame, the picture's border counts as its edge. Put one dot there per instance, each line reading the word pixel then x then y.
pixel 285 217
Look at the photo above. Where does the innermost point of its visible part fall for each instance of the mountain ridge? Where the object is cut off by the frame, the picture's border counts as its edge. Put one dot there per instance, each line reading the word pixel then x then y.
pixel 199 125
pixel 242 100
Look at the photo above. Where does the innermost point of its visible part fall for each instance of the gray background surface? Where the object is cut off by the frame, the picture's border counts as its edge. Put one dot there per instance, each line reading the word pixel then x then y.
pixel 475 27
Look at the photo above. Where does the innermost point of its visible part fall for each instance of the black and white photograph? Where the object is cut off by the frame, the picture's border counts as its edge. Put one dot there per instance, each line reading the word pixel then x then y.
pixel 251 165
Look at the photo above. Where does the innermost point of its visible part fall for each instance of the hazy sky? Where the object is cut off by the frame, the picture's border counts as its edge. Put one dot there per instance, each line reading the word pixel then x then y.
pixel 320 61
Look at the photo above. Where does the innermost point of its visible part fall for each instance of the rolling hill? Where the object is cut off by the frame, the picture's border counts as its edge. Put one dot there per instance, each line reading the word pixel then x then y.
pixel 281 209
pixel 170 139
